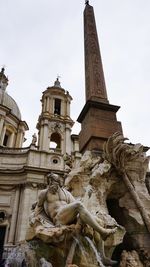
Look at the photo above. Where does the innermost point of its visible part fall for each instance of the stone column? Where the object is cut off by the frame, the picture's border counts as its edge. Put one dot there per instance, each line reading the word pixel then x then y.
pixel 42 105
pixel 19 138
pixel 22 138
pixel 11 140
pixel 41 137
pixel 68 108
pixel 63 143
pixel 29 196
pixel 44 140
pixel 76 146
pixel 3 134
pixel 68 140
pixel 44 108
pixel 51 105
pixel 1 125
pixel 62 108
pixel 13 225
pixel 47 104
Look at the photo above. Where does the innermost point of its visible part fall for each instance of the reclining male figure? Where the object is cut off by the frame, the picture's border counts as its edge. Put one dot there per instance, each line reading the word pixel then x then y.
pixel 63 209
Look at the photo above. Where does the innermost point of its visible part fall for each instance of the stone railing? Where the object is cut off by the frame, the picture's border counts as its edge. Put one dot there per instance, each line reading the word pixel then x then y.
pixel 9 150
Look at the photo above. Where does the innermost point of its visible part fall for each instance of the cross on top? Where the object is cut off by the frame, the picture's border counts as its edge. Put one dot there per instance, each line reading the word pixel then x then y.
pixel 58 76
pixel 3 68
pixel 87 2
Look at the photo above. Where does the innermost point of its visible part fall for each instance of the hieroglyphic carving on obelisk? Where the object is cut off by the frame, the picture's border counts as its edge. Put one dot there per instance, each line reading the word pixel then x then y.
pixel 94 76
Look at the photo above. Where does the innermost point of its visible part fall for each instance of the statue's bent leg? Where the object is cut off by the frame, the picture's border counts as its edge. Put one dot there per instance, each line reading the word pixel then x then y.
pixel 67 214
pixel 87 218
pixel 100 246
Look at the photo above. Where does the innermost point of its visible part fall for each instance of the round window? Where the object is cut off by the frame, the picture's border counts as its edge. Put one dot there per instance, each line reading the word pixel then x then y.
pixel 55 161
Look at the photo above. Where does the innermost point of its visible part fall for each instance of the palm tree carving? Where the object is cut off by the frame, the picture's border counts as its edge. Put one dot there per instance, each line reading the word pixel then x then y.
pixel 128 159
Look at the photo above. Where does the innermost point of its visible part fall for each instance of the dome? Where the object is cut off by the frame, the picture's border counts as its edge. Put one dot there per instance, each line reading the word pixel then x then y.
pixel 9 102
pixel 5 99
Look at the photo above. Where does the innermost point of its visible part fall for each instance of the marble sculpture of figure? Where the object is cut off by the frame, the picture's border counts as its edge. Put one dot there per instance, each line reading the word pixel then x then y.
pixel 63 209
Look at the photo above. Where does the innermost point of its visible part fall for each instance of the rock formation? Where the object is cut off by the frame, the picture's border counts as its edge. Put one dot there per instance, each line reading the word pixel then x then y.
pixel 130 259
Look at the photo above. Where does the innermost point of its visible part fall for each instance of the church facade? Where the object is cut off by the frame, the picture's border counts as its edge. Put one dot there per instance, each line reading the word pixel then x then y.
pixel 23 169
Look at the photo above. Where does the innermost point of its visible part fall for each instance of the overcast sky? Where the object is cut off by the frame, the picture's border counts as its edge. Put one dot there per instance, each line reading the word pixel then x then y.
pixel 40 39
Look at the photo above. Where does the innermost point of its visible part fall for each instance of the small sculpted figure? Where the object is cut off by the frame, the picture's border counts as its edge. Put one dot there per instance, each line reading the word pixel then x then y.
pixel 68 161
pixel 63 209
pixel 34 139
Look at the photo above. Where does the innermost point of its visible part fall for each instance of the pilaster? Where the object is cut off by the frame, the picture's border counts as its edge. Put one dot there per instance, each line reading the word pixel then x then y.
pixel 11 238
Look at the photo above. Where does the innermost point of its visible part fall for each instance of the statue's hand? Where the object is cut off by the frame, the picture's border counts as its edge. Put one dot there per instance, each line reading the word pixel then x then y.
pixel 107 232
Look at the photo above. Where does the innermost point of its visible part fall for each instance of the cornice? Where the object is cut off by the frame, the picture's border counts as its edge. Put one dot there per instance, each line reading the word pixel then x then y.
pixel 53 118
pixel 98 105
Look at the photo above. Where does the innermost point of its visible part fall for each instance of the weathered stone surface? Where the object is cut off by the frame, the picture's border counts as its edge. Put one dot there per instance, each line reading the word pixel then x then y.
pixel 130 259
pixel 109 188
pixel 145 256
pixel 131 165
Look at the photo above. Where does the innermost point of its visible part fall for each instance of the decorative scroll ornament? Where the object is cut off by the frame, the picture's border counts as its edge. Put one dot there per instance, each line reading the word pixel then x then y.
pixel 56 127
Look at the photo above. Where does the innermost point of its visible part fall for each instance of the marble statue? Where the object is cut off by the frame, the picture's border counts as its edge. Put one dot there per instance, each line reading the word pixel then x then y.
pixel 68 159
pixel 57 213
pixel 34 139
pixel 80 219
pixel 63 209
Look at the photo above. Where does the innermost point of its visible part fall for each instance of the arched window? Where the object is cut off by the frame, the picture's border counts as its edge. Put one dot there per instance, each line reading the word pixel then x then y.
pixel 55 141
pixel 57 106
pixel 6 138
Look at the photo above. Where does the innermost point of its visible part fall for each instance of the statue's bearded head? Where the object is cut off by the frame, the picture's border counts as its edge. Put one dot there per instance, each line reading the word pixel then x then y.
pixel 54 182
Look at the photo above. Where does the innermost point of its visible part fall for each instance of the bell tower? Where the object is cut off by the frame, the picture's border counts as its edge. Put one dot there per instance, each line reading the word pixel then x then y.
pixel 54 124
pixel 98 117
